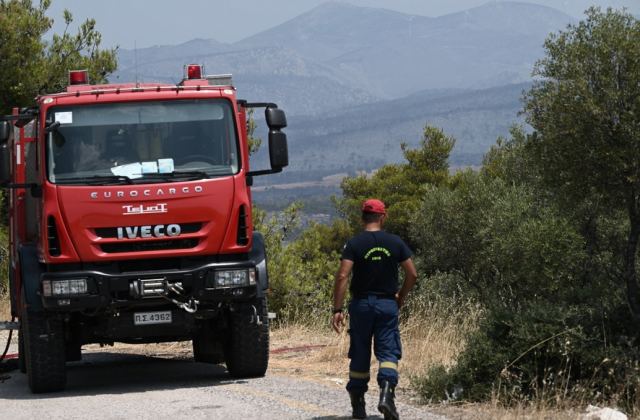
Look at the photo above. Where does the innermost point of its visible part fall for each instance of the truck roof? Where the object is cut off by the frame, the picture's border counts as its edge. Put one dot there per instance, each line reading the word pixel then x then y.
pixel 214 82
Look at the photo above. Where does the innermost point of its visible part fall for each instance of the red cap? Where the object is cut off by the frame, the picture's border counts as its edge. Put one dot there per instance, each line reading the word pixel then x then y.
pixel 373 205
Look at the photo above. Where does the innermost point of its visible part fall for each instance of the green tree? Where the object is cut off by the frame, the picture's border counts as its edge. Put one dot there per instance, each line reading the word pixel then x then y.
pixel 510 160
pixel 254 141
pixel 585 108
pixel 400 186
pixel 301 270
pixel 31 65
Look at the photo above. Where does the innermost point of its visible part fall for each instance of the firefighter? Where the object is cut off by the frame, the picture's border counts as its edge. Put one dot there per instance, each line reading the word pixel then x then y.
pixel 373 256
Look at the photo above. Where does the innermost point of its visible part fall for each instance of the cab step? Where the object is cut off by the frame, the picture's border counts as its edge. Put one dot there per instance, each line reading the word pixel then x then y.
pixel 7 325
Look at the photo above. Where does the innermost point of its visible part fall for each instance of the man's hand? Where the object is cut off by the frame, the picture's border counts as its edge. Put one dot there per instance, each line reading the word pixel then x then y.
pixel 400 300
pixel 339 289
pixel 337 322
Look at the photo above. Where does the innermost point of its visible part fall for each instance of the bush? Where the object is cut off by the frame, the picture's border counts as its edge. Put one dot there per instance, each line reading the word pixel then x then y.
pixel 301 270
pixel 552 325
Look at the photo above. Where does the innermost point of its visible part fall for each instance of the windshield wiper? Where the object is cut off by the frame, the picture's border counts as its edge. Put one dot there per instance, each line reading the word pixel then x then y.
pixel 96 180
pixel 176 175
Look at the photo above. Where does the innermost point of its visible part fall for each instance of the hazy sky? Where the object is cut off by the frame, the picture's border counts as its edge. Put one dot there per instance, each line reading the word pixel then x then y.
pixel 165 22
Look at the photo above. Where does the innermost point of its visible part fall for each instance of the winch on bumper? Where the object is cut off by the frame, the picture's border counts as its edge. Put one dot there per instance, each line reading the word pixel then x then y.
pixel 206 285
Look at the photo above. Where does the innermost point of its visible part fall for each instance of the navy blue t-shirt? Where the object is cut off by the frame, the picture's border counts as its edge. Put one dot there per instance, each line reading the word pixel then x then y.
pixel 375 257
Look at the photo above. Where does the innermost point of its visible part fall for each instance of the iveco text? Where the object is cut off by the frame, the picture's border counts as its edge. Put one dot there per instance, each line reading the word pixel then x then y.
pixel 157 231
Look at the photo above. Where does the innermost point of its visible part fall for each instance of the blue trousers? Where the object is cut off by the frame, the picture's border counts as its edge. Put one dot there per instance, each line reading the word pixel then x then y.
pixel 372 317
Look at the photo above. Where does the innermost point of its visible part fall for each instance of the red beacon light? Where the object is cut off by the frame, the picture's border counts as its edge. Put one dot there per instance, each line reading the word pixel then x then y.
pixel 79 77
pixel 193 71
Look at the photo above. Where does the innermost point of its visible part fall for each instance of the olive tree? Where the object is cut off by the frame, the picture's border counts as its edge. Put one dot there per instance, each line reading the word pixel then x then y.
pixel 31 64
pixel 585 109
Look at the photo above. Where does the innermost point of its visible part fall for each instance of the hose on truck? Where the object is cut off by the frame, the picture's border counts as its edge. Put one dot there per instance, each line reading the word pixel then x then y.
pixel 6 349
pixel 7 364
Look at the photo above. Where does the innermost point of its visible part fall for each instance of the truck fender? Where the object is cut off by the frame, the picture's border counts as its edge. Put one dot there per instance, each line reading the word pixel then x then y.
pixel 259 258
pixel 31 271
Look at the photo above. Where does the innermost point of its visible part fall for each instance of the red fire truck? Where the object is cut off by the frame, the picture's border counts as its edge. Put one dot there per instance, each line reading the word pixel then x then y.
pixel 130 221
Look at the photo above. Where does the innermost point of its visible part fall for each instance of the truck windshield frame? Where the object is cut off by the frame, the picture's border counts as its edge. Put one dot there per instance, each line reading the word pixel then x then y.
pixel 139 140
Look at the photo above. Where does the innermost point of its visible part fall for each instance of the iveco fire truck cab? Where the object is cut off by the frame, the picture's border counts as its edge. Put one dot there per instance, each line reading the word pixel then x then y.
pixel 130 220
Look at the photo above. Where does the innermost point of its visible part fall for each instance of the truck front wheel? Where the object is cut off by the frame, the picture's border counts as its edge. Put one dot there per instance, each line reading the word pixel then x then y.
pixel 247 346
pixel 44 351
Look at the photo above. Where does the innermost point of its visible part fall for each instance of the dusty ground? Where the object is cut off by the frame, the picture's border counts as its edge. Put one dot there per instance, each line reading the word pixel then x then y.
pixel 297 352
pixel 162 382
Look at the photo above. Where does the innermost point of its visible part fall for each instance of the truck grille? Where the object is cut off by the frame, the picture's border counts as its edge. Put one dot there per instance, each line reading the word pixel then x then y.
pixel 149 246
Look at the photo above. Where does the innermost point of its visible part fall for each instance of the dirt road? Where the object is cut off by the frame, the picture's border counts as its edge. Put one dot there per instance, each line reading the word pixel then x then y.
pixel 165 383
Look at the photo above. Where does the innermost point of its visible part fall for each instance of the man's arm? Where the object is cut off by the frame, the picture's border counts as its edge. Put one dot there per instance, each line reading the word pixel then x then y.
pixel 339 290
pixel 410 277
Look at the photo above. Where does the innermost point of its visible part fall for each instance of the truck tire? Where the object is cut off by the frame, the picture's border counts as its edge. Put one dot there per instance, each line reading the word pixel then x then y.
pixel 247 347
pixel 22 363
pixel 44 351
pixel 73 352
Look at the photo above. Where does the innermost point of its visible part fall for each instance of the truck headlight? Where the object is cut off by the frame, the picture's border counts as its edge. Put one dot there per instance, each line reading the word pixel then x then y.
pixel 235 278
pixel 64 287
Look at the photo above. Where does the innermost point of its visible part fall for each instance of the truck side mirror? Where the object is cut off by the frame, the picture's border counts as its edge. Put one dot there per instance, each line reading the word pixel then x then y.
pixel 276 118
pixel 278 151
pixel 5 156
pixel 5 163
pixel 5 130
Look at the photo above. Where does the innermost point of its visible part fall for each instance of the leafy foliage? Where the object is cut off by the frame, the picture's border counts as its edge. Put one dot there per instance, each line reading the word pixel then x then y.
pixel 300 271
pixel 254 141
pixel 585 109
pixel 31 65
pixel 401 186
pixel 555 319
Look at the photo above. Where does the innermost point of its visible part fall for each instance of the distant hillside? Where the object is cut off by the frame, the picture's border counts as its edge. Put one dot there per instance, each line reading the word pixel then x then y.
pixel 391 54
pixel 339 55
pixel 369 136
pixel 278 75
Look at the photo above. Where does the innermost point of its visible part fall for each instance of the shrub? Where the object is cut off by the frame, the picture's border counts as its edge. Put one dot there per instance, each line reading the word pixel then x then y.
pixel 552 325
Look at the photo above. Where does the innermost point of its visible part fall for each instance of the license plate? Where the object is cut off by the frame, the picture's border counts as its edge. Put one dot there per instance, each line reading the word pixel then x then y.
pixel 150 318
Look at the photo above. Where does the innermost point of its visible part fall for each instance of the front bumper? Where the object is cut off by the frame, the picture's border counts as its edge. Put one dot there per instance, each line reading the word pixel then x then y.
pixel 154 288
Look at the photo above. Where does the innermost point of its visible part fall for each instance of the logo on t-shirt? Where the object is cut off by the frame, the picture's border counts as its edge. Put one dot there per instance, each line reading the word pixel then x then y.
pixel 376 253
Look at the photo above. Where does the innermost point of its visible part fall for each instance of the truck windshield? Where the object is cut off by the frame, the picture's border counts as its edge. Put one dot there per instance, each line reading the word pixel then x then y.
pixel 136 140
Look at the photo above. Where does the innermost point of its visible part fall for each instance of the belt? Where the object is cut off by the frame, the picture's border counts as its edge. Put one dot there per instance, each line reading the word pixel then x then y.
pixel 377 295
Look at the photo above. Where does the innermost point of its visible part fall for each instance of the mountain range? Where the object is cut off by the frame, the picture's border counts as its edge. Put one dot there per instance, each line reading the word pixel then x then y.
pixel 356 81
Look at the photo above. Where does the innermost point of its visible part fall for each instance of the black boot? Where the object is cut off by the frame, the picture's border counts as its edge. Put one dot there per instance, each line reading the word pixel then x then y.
pixel 387 406
pixel 358 405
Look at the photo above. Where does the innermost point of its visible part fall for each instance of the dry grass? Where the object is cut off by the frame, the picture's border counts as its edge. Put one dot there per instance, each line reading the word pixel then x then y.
pixel 5 308
pixel 435 334
pixel 431 334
